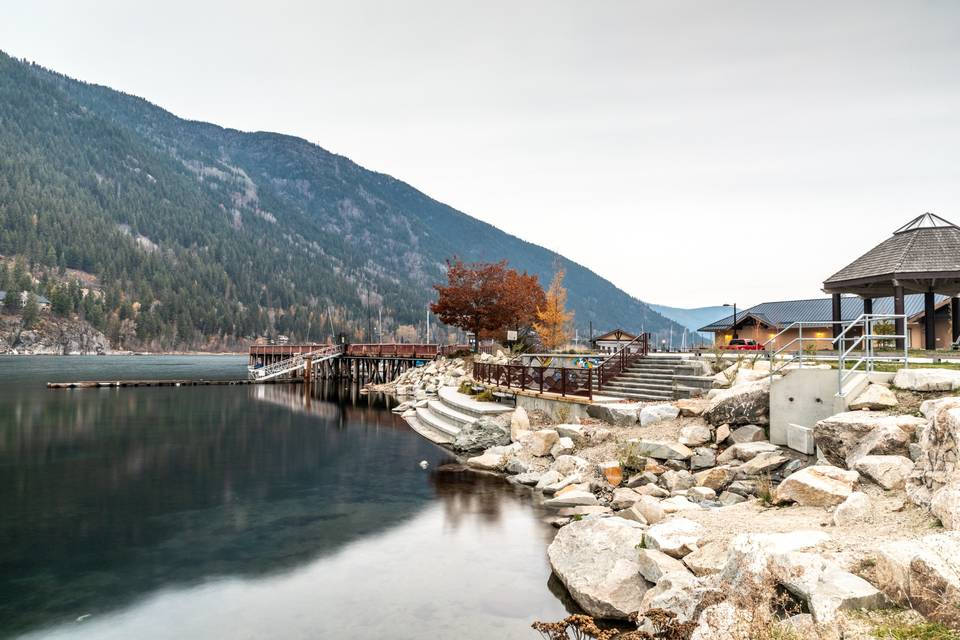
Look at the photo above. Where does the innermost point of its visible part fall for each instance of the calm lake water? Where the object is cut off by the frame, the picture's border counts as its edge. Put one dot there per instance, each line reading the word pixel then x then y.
pixel 247 512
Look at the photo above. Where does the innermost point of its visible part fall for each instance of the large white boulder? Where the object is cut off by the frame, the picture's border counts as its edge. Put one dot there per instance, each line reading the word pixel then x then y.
pixel 890 472
pixel 923 575
pixel 817 486
pixel 519 423
pixel 875 397
pixel 708 559
pixel 655 413
pixel 853 510
pixel 927 379
pixel 676 537
pixel 750 554
pixel 679 592
pixel 655 564
pixel 540 442
pixel 824 585
pixel 621 414
pixel 945 505
pixel 596 559
pixel 838 436
pixel 741 404
pixel 937 464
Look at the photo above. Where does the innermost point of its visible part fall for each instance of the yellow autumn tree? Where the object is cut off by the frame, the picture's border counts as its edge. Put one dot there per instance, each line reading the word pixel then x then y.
pixel 553 319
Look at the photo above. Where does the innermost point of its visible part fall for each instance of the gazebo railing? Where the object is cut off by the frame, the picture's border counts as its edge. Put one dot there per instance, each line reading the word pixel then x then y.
pixel 861 350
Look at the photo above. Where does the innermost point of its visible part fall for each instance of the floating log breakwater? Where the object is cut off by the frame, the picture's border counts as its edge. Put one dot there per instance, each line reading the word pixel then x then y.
pixel 97 384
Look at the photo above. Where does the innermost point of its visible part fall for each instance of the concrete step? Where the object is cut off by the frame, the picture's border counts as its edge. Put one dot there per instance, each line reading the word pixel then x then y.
pixel 654 370
pixel 468 406
pixel 429 433
pixel 636 396
pixel 646 375
pixel 432 420
pixel 449 413
pixel 636 384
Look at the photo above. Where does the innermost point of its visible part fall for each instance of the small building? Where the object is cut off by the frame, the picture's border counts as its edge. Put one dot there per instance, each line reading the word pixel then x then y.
pixel 770 322
pixel 613 341
pixel 42 302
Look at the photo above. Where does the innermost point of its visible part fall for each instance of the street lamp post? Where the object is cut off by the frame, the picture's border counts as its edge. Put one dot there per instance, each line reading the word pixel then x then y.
pixel 734 305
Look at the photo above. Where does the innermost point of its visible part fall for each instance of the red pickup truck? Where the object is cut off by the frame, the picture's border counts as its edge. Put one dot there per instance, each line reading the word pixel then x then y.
pixel 739 344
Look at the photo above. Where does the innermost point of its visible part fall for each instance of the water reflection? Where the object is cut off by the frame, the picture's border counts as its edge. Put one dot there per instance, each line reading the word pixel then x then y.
pixel 126 504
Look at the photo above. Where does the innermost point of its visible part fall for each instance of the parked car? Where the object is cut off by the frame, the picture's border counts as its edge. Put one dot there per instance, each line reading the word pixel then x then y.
pixel 740 344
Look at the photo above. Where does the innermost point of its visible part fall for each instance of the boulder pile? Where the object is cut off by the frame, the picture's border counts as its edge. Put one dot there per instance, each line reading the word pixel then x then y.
pixel 424 381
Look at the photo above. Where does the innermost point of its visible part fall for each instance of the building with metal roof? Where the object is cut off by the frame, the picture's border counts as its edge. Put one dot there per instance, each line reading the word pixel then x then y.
pixel 922 256
pixel 764 321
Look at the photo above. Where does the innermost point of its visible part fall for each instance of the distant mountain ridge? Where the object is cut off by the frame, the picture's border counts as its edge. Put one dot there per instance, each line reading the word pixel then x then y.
pixel 694 318
pixel 203 235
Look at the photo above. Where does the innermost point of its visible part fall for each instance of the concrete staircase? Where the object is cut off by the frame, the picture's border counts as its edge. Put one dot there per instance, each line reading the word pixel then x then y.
pixel 654 378
pixel 442 418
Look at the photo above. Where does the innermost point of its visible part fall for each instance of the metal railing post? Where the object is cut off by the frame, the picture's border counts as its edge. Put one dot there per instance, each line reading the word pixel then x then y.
pixel 563 381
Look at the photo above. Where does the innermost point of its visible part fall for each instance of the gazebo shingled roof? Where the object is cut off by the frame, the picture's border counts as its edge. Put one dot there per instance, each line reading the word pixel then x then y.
pixel 922 256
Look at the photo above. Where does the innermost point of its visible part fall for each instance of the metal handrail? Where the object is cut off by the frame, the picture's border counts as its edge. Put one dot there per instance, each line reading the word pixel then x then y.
pixel 293 363
pixel 866 342
pixel 621 358
pixel 800 339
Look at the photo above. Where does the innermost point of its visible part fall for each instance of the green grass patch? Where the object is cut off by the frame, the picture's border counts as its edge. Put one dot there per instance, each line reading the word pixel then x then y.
pixel 485 396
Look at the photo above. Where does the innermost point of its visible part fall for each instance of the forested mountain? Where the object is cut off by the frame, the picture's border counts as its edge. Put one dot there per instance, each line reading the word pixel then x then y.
pixel 203 235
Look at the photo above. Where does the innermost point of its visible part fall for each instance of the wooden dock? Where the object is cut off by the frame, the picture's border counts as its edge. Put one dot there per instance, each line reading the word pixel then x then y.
pixel 101 384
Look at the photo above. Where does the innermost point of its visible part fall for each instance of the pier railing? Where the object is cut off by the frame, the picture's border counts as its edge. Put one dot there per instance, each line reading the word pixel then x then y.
pixel 562 381
pixel 393 350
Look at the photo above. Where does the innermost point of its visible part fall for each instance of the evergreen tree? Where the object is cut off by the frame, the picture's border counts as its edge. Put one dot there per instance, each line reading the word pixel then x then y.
pixel 31 311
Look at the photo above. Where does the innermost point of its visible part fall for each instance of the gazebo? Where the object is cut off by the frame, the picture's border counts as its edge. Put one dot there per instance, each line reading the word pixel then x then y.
pixel 922 256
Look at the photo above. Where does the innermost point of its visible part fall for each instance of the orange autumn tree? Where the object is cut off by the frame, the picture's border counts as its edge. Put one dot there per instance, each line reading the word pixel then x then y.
pixel 487 297
pixel 553 319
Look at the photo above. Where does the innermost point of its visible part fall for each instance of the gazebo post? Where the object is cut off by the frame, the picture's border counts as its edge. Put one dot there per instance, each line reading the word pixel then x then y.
pixel 837 317
pixel 929 321
pixel 954 318
pixel 899 324
pixel 868 305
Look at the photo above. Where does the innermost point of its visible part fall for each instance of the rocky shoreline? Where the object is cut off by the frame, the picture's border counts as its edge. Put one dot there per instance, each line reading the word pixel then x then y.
pixel 684 519
pixel 52 336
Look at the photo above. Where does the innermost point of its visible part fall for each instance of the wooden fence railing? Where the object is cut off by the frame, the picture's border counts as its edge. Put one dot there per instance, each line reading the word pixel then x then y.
pixel 563 381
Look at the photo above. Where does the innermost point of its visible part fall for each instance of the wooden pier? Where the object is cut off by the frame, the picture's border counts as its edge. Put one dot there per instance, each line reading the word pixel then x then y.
pixel 362 363
pixel 374 363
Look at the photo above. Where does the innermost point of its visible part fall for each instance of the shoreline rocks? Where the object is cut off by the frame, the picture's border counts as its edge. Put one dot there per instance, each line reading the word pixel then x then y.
pixel 596 559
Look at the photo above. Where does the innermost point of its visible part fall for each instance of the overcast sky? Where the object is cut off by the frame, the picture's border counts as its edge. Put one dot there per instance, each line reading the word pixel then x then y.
pixel 692 153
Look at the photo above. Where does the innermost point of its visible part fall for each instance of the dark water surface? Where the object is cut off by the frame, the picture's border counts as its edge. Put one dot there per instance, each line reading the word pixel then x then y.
pixel 247 512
